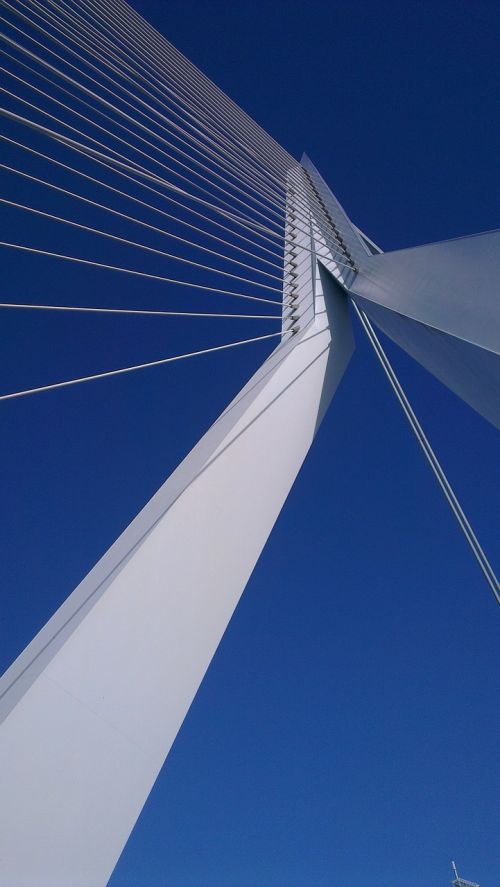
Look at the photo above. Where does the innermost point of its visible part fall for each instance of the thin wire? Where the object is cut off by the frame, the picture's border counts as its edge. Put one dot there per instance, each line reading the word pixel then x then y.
pixel 430 455
pixel 37 27
pixel 142 223
pixel 113 163
pixel 102 114
pixel 139 168
pixel 198 286
pixel 280 182
pixel 137 311
pixel 134 32
pixel 264 171
pixel 127 129
pixel 95 95
pixel 111 49
pixel 150 206
pixel 151 249
pixel 299 198
pixel 203 85
pixel 272 233
pixel 238 172
pixel 67 29
pixel 99 232
pixel 113 40
pixel 243 221
pixel 74 146
pixel 140 366
pixel 155 209
pixel 187 63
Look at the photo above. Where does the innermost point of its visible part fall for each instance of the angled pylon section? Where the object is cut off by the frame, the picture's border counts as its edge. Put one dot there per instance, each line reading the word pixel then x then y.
pixel 91 708
pixel 440 303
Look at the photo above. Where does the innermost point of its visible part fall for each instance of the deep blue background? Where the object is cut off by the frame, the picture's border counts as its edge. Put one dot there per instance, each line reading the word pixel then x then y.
pixel 347 731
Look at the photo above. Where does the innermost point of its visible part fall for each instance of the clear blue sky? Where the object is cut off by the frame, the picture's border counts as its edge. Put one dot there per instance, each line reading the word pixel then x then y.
pixel 347 731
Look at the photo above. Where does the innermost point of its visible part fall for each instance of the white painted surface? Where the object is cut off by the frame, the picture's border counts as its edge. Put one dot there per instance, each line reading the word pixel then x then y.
pixel 93 705
pixel 440 303
pixel 451 286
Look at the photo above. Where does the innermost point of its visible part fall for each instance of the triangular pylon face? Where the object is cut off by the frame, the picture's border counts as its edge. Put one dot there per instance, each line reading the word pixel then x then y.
pixel 439 302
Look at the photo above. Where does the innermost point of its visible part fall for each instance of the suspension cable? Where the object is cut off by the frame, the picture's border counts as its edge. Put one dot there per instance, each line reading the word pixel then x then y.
pixel 140 366
pixel 30 307
pixel 111 162
pixel 298 198
pixel 93 123
pixel 143 203
pixel 98 205
pixel 203 86
pixel 119 170
pixel 84 25
pixel 318 206
pixel 141 222
pixel 86 89
pixel 39 212
pixel 232 163
pixel 190 284
pixel 429 454
pixel 110 36
pixel 140 169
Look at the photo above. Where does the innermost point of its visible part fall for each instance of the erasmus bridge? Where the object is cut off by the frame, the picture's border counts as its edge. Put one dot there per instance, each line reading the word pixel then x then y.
pixel 112 136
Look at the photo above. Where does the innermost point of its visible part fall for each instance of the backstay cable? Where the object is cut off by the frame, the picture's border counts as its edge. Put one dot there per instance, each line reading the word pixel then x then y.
pixel 429 454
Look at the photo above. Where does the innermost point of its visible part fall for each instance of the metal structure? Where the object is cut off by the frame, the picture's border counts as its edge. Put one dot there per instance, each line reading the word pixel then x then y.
pixel 103 114
pixel 461 882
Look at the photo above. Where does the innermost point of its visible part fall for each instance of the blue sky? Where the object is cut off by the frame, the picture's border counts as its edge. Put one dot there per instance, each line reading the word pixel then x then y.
pixel 347 731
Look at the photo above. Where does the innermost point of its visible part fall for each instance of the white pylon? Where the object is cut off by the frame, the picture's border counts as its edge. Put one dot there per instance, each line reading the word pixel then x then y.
pixel 93 705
